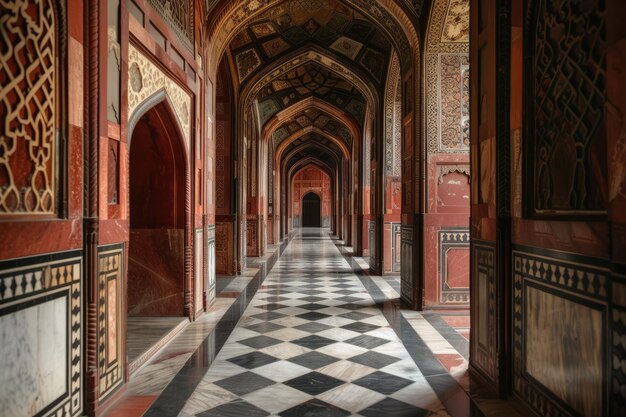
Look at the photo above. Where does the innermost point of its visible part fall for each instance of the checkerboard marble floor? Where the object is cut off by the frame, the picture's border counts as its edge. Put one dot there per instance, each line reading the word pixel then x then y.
pixel 313 342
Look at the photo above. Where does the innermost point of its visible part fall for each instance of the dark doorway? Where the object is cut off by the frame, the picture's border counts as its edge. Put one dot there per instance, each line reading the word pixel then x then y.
pixel 157 217
pixel 311 210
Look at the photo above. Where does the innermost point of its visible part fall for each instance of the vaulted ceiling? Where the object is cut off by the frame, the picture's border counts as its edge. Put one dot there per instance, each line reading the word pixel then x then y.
pixel 298 24
pixel 310 80
pixel 312 146
pixel 313 118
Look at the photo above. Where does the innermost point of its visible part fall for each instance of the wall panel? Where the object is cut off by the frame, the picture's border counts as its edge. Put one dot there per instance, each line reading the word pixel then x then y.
pixel 41 335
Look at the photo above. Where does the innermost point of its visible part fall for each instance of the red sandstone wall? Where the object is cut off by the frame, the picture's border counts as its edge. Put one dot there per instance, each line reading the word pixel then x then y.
pixel 311 178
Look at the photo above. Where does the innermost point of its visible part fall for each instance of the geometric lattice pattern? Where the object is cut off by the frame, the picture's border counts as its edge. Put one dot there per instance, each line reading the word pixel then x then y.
pixel 28 107
pixel 312 80
pixel 179 15
pixel 568 95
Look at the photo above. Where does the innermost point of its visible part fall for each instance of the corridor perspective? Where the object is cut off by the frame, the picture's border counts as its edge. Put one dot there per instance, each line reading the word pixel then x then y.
pixel 312 208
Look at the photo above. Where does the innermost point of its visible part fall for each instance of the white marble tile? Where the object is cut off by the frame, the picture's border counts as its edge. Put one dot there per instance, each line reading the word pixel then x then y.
pixel 351 397
pixel 281 371
pixel 277 398
pixel 342 350
pixel 206 396
pixel 346 370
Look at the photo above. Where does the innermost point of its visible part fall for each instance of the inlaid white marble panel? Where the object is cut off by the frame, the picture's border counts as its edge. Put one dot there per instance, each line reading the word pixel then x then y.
pixel 33 357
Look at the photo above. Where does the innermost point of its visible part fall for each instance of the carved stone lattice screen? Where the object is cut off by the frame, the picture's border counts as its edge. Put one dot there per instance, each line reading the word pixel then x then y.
pixel 179 14
pixel 567 78
pixel 28 108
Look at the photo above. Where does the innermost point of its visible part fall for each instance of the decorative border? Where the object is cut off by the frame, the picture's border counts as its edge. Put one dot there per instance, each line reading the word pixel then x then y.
pixel 198 278
pixel 618 350
pixel 211 281
pixel 25 282
pixel 483 257
pixel 451 238
pixel 406 275
pixel 110 268
pixel 371 233
pixel 396 231
pixel 580 280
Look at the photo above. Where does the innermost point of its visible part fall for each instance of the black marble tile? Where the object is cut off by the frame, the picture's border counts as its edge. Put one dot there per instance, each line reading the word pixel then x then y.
pixel 272 306
pixel 312 306
pixel 313 327
pixel 349 299
pixel 314 408
pixel 244 383
pixel 345 292
pixel 351 306
pixel 313 342
pixel 273 298
pixel 360 327
pixel 311 292
pixel 236 408
pixel 374 359
pixel 342 285
pixel 355 315
pixel 312 299
pixel 268 316
pixel 265 327
pixel 383 382
pixel 313 315
pixel 314 383
pixel 252 360
pixel 393 408
pixel 313 360
pixel 367 341
pixel 260 342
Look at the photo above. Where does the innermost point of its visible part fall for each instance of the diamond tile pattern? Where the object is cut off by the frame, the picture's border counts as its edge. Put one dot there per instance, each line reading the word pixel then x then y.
pixel 309 333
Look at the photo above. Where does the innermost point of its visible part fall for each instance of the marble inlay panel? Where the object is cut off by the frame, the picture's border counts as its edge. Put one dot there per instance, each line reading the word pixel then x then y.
pixel 40 335
pixel 564 349
pixel 33 359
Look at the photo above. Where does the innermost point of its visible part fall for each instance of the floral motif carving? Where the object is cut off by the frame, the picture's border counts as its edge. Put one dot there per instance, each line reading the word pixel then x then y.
pixel 456 24
pixel 153 81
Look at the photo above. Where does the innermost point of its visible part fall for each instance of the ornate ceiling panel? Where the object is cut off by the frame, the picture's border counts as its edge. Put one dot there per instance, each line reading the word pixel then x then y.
pixel 313 117
pixel 296 24
pixel 310 80
pixel 312 146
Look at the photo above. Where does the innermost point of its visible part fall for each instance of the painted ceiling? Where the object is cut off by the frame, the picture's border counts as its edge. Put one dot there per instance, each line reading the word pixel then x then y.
pixel 294 24
pixel 314 146
pixel 313 117
pixel 310 80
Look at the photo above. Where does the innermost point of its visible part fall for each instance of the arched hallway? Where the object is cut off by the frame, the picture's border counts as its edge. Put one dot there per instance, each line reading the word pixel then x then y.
pixel 463 163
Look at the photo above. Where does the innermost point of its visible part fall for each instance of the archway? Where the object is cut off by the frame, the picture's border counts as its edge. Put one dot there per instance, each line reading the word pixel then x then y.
pixel 156 272
pixel 311 210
